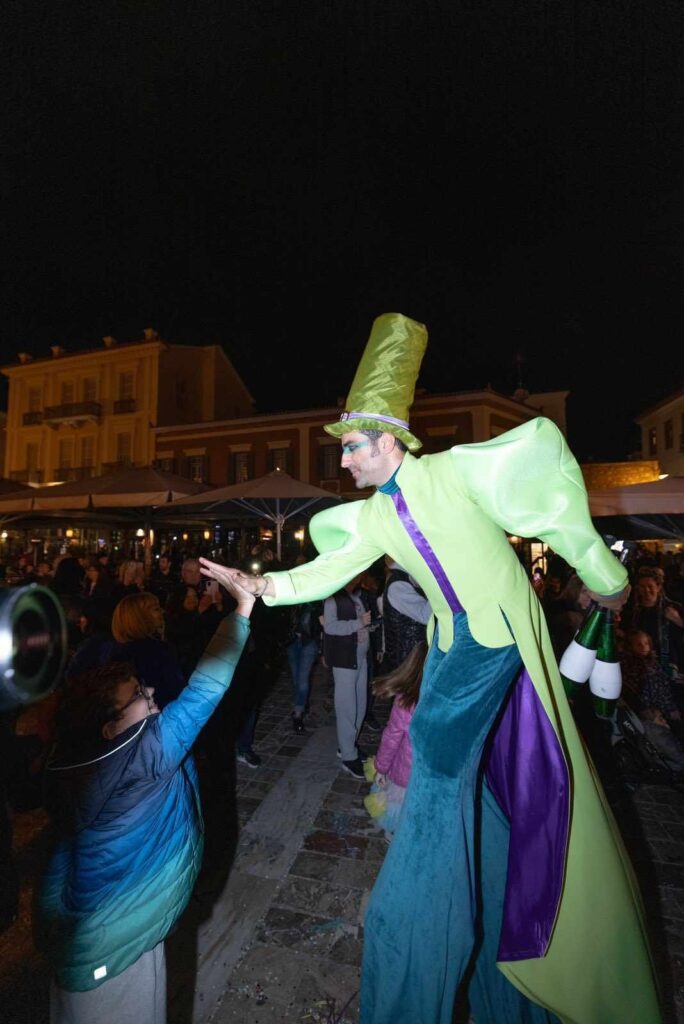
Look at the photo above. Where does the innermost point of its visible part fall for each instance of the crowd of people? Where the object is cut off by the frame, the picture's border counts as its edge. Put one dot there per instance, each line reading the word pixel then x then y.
pixel 502 856
pixel 650 645
pixel 156 626
pixel 370 635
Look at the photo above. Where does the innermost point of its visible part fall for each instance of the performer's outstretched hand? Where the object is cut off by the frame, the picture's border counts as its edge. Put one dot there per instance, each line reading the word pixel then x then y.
pixel 245 599
pixel 615 602
pixel 256 585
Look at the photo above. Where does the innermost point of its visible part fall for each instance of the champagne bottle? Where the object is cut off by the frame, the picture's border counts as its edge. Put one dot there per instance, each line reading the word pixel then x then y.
pixel 579 656
pixel 605 681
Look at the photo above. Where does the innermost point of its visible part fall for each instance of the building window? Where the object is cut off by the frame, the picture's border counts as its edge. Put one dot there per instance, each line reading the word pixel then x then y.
pixel 197 468
pixel 90 390
pixel 88 451
pixel 279 458
pixel 35 399
pixel 66 452
pixel 240 467
pixel 181 393
pixel 669 434
pixel 123 448
pixel 126 385
pixel 652 442
pixel 33 474
pixel 66 392
pixel 166 465
pixel 329 461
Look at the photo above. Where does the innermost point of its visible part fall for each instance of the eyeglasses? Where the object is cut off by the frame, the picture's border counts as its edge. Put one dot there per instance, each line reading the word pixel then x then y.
pixel 141 691
pixel 349 449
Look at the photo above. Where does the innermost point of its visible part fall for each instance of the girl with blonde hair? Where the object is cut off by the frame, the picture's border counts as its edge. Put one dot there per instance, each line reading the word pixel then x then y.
pixel 137 637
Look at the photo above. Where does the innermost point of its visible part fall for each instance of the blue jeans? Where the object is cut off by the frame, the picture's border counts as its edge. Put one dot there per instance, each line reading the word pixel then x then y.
pixel 301 655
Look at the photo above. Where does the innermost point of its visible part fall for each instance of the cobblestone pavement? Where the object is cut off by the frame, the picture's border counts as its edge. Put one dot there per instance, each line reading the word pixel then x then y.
pixel 273 934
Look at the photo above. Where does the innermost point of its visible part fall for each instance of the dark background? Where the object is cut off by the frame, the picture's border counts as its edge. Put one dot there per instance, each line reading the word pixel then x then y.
pixel 271 176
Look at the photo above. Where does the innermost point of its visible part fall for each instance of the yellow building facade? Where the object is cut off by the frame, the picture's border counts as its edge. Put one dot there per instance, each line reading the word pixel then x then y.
pixel 77 415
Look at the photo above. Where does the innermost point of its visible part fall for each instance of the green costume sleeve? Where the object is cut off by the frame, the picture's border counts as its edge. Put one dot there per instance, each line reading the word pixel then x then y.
pixel 529 482
pixel 344 554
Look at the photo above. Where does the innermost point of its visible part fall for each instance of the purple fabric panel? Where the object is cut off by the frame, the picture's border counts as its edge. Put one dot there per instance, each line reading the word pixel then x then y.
pixel 422 544
pixel 528 776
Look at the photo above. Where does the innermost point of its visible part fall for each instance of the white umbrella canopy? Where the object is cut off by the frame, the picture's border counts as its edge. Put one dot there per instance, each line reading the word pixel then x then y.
pixel 13 486
pixel 144 486
pixel 135 487
pixel 659 497
pixel 276 496
pixel 17 501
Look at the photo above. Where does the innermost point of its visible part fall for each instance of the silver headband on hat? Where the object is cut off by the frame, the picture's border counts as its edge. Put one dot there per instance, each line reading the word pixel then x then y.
pixel 374 416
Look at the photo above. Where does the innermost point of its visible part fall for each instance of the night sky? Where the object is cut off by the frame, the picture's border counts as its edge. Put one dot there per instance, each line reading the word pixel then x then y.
pixel 271 176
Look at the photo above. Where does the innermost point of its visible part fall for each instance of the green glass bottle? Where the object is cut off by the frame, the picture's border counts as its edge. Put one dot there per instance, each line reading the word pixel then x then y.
pixel 579 656
pixel 605 681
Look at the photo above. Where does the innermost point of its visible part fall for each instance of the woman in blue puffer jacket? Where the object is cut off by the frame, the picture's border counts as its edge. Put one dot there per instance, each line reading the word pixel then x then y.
pixel 122 789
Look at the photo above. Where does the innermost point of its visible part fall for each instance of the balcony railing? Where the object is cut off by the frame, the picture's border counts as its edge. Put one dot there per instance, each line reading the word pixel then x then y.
pixel 124 405
pixel 27 476
pixel 74 472
pixel 72 411
pixel 35 416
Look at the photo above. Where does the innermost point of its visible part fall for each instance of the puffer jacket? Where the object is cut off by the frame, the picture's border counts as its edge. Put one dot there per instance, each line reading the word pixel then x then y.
pixel 131 829
pixel 394 755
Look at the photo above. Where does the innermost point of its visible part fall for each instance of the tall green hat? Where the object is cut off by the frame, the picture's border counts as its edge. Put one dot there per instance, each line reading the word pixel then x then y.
pixel 382 390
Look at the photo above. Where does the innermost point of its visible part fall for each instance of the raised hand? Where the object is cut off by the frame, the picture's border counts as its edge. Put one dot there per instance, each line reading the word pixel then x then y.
pixel 226 576
pixel 245 599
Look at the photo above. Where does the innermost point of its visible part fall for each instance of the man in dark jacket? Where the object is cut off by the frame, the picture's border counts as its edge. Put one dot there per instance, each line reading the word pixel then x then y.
pixel 406 612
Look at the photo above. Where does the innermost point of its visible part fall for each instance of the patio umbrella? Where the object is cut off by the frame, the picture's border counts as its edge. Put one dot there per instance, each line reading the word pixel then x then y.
pixel 276 496
pixel 140 489
pixel 649 511
pixel 19 500
pixel 658 497
pixel 12 486
pixel 131 487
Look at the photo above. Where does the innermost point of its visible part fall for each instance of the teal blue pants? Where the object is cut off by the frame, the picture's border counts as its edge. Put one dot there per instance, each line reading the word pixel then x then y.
pixel 434 915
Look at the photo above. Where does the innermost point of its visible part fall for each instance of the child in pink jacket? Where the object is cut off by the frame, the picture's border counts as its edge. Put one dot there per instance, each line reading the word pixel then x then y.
pixel 390 769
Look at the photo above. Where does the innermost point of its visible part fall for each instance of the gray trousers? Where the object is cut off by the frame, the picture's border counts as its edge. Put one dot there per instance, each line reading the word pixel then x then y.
pixel 137 996
pixel 350 704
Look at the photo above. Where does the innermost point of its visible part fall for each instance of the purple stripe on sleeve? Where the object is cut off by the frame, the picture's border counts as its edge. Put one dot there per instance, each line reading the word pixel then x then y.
pixel 528 776
pixel 423 546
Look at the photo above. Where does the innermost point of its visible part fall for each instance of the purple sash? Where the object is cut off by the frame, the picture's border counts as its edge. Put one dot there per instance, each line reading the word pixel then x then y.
pixel 423 546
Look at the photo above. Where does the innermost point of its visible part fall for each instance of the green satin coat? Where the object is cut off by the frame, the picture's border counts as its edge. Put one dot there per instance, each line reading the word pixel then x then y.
pixel 597 968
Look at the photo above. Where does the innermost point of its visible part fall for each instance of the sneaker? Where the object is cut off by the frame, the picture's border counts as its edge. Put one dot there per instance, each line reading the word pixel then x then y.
pixel 249 758
pixel 371 723
pixel 361 754
pixel 354 768
pixel 298 724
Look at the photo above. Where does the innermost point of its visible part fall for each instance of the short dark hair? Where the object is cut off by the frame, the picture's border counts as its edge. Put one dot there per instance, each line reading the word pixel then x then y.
pixel 89 701
pixel 375 435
